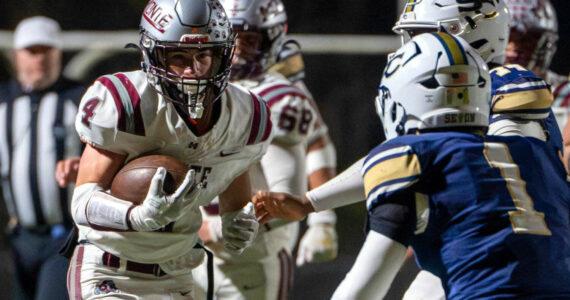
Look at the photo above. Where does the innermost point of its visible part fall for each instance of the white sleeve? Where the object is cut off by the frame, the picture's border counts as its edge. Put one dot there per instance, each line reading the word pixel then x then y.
pixel 346 188
pixel 425 286
pixel 375 267
pixel 90 206
pixel 321 158
pixel 282 165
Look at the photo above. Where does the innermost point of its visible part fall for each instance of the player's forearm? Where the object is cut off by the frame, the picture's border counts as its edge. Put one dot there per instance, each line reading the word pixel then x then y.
pixel 344 189
pixel 282 165
pixel 321 161
pixel 237 195
pixel 374 269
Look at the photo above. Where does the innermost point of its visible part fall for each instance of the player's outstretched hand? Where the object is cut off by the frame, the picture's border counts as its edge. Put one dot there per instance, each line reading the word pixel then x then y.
pixel 269 205
pixel 159 209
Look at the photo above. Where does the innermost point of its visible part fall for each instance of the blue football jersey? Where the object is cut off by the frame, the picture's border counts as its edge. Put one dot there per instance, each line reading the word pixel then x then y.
pixel 517 93
pixel 489 215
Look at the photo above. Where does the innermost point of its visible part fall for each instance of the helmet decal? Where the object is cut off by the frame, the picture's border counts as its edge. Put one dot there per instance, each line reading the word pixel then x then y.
pixel 452 47
pixel 156 17
pixel 434 81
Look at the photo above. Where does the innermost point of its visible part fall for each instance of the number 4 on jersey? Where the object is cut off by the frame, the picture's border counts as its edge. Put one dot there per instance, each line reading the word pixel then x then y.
pixel 88 113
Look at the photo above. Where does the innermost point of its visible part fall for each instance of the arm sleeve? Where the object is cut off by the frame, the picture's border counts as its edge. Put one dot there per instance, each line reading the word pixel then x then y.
pixel 375 267
pixel 92 207
pixel 346 188
pixel 282 165
pixel 321 158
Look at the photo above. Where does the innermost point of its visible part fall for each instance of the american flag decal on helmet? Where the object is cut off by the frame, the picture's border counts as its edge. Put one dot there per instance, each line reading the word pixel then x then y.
pixel 261 122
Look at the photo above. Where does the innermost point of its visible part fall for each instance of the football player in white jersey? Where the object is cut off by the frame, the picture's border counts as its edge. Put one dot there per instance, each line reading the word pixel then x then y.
pixel 532 43
pixel 264 270
pixel 319 243
pixel 180 104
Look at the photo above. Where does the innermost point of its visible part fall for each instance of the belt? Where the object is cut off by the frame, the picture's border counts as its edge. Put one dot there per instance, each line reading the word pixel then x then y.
pixel 113 261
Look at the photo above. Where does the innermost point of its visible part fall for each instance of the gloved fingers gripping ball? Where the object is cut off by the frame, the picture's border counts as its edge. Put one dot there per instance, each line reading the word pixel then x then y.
pixel 159 209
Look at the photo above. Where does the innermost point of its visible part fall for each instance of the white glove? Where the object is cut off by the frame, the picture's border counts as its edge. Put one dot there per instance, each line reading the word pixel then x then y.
pixel 159 209
pixel 239 229
pixel 319 244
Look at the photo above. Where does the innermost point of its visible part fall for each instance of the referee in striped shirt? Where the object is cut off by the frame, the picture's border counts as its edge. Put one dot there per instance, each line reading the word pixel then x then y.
pixel 37 112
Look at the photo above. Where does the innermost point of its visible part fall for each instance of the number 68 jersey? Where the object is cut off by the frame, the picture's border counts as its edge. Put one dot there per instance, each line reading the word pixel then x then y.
pixel 292 113
pixel 488 215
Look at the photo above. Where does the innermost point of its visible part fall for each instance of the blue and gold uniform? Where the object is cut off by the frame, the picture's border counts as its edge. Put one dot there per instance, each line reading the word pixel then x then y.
pixel 488 215
pixel 519 94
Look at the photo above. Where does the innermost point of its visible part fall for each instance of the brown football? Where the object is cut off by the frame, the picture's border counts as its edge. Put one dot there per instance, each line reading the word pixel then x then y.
pixel 132 181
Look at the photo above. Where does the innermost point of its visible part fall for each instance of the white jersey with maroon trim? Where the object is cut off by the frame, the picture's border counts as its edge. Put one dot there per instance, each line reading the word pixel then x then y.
pixel 122 113
pixel 561 93
pixel 320 128
pixel 292 114
pixel 290 107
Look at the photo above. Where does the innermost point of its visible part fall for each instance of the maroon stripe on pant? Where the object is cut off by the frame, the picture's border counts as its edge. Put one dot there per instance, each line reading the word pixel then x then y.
pixel 74 274
pixel 286 279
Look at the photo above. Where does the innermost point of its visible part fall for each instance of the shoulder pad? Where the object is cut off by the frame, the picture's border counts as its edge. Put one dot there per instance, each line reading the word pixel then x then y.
pixel 388 168
pixel 261 125
pixel 127 102
pixel 519 92
pixel 110 107
pixel 276 92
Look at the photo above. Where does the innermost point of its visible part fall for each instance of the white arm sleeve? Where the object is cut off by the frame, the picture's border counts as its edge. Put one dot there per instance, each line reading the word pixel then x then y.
pixel 321 158
pixel 375 267
pixel 92 207
pixel 282 165
pixel 327 216
pixel 346 188
pixel 80 199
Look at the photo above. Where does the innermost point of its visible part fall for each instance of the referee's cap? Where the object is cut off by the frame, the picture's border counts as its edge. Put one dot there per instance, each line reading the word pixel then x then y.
pixel 37 31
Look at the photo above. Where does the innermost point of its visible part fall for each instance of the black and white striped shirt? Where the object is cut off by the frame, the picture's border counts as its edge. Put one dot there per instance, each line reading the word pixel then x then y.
pixel 37 130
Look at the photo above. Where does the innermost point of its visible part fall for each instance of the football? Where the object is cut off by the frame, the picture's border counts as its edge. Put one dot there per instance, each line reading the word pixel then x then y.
pixel 132 181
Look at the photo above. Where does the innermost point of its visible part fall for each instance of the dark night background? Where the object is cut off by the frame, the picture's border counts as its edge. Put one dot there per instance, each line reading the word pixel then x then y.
pixel 343 85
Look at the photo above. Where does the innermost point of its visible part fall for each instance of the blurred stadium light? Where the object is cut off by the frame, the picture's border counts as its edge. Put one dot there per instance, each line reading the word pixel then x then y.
pixel 95 46
pixel 311 43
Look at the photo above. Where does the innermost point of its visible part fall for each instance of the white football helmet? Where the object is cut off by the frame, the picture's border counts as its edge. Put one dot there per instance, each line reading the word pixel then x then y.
pixel 535 23
pixel 436 80
pixel 174 25
pixel 482 23
pixel 265 17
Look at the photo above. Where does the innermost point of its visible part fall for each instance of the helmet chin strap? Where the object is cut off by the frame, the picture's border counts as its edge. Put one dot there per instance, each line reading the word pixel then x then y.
pixel 196 111
pixel 196 95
